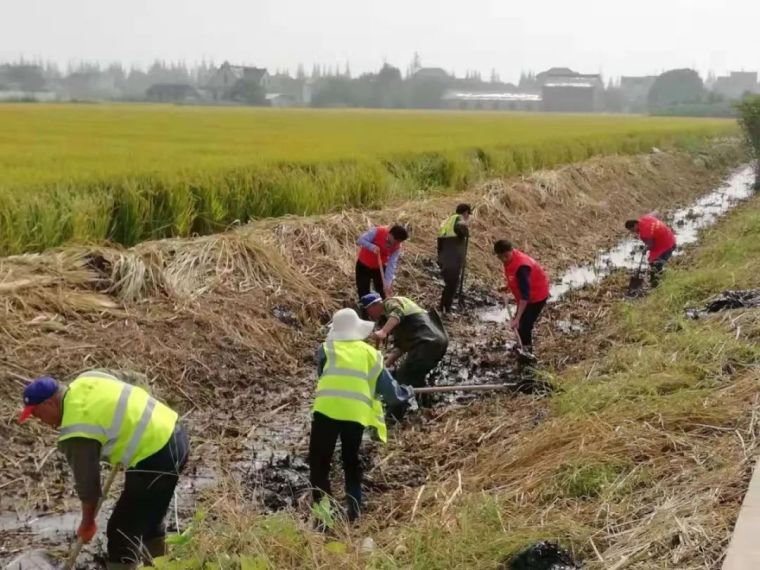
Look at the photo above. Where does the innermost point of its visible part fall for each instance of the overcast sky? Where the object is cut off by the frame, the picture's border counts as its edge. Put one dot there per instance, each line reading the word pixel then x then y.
pixel 617 38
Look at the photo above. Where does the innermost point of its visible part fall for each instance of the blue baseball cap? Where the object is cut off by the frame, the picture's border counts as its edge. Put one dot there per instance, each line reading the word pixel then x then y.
pixel 370 299
pixel 35 393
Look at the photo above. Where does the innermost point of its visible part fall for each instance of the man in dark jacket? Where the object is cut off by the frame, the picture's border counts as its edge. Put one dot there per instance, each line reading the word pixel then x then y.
pixel 452 251
pixel 416 333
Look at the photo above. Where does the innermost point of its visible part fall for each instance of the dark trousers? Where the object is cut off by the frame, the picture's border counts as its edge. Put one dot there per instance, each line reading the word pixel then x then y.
pixel 528 321
pixel 656 267
pixel 325 432
pixel 366 277
pixel 138 516
pixel 451 275
pixel 413 371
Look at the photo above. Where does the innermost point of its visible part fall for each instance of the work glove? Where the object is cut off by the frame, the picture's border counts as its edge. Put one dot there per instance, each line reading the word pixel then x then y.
pixel 86 531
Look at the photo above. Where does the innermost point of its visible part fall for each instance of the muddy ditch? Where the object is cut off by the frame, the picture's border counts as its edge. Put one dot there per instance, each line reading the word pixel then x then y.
pixel 479 349
pixel 248 407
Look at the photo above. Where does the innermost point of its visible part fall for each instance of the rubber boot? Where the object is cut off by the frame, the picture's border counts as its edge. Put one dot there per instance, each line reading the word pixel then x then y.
pixel 155 548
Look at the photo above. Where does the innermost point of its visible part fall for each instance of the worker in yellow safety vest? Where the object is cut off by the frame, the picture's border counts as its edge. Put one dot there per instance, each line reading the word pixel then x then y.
pixel 453 238
pixel 352 380
pixel 102 417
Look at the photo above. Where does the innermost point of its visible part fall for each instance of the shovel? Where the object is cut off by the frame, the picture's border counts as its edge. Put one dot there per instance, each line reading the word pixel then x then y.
pixel 636 282
pixel 77 548
pixel 40 560
pixel 382 273
pixel 522 354
pixel 463 388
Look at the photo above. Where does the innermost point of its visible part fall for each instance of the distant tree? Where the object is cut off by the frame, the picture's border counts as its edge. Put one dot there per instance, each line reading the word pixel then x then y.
pixel 300 72
pixel 316 72
pixel 416 63
pixel 388 73
pixel 248 92
pixel 334 92
pixel 347 71
pixel 26 76
pixel 495 76
pixel 749 120
pixel 676 86
pixel 614 99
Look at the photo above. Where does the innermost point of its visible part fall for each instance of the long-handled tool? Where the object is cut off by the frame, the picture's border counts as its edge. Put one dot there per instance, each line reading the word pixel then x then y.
pixel 464 388
pixel 77 548
pixel 522 354
pixel 461 276
pixel 382 273
pixel 637 281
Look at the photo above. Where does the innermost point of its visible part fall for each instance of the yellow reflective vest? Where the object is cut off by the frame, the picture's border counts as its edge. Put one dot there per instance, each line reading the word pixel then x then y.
pixel 346 387
pixel 401 307
pixel 447 228
pixel 129 424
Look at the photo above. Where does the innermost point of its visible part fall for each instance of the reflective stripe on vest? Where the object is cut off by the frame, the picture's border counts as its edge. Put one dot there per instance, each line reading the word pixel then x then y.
pixel 346 387
pixel 332 369
pixel 447 228
pixel 129 424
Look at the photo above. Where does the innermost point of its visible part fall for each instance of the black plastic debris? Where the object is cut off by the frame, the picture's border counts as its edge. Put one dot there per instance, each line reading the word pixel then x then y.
pixel 726 301
pixel 285 316
pixel 542 556
pixel 734 300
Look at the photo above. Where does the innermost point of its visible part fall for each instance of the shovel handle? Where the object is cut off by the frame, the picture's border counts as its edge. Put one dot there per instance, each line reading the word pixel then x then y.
pixel 509 313
pixel 77 548
pixel 380 268
pixel 463 388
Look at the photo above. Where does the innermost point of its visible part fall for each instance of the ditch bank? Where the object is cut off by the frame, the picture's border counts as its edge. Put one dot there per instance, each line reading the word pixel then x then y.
pixel 225 326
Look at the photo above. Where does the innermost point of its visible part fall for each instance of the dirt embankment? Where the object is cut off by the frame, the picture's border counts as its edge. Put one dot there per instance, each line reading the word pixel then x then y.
pixel 225 326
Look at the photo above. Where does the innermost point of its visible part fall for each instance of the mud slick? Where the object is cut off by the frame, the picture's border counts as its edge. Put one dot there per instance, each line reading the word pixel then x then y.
pixel 226 327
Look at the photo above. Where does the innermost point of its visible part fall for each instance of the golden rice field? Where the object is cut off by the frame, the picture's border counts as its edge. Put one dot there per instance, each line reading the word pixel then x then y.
pixel 127 173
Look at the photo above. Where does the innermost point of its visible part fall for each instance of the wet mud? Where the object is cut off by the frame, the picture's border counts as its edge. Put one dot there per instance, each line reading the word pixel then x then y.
pixel 266 452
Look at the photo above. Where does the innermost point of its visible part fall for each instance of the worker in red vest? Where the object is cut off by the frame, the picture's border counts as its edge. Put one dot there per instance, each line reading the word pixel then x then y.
pixel 659 240
pixel 529 284
pixel 379 245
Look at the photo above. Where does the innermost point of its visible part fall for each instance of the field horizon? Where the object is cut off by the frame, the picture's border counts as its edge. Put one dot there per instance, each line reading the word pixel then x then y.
pixel 127 173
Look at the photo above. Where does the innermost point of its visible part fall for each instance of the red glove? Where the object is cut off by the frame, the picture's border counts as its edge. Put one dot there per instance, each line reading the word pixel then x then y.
pixel 86 531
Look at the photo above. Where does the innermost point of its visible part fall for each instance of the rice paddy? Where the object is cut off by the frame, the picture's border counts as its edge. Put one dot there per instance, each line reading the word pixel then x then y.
pixel 129 173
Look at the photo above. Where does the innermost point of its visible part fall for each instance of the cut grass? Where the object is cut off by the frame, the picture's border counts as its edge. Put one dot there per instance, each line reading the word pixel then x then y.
pixel 127 173
pixel 641 464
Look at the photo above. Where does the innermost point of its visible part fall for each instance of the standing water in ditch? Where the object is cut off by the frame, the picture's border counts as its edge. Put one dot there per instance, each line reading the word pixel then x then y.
pixel 685 222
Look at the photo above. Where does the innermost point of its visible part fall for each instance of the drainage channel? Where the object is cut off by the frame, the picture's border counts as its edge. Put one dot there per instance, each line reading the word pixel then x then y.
pixel 685 222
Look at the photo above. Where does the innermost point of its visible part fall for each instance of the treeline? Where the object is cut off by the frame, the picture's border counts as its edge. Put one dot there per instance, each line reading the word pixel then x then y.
pixel 675 92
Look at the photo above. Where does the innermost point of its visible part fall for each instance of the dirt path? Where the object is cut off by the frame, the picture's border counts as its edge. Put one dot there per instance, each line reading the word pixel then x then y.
pixel 227 326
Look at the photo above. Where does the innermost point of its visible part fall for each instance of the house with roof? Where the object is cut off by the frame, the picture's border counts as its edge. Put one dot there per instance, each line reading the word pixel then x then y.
pixel 431 74
pixel 566 91
pixel 227 79
pixel 491 101
pixel 736 84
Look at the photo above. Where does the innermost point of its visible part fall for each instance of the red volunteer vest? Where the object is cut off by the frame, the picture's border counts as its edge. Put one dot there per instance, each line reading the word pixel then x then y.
pixel 368 258
pixel 539 282
pixel 656 231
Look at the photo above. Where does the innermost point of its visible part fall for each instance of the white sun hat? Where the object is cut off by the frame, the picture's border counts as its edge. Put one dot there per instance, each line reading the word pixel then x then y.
pixel 346 325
